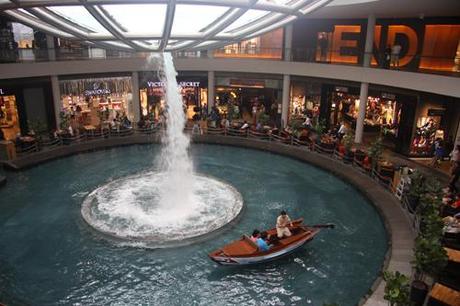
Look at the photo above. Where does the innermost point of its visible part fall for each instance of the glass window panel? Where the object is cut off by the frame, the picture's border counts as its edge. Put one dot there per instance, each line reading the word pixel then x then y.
pixel 80 16
pixel 206 43
pixel 117 44
pixel 191 19
pixel 139 18
pixel 279 2
pixel 348 2
pixel 248 17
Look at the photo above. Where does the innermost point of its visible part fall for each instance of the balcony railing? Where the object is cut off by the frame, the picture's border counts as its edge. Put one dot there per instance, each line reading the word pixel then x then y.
pixel 405 62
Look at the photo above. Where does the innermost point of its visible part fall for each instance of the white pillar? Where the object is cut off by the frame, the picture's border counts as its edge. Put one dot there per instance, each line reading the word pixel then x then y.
pixel 457 137
pixel 365 86
pixel 369 40
pixel 362 112
pixel 56 99
pixel 288 42
pixel 211 94
pixel 285 101
pixel 51 48
pixel 136 100
pixel 210 53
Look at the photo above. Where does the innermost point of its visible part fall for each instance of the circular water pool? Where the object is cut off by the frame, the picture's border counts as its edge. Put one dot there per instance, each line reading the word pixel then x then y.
pixel 50 256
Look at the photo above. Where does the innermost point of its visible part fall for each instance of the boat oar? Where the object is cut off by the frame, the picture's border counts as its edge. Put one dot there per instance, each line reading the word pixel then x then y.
pixel 327 225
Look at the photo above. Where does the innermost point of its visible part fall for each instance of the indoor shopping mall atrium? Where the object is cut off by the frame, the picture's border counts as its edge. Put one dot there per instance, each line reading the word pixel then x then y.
pixel 230 152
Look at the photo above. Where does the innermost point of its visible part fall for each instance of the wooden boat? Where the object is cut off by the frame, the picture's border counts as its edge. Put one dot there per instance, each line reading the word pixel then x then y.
pixel 245 252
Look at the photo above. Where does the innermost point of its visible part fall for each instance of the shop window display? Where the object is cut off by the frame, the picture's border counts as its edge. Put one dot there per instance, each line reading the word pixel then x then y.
pixel 194 98
pixel 305 101
pixel 247 104
pixel 381 112
pixel 9 122
pixel 427 132
pixel 96 103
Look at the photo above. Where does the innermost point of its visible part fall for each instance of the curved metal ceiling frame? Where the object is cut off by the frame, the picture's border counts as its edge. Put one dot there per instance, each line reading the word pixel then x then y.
pixel 54 23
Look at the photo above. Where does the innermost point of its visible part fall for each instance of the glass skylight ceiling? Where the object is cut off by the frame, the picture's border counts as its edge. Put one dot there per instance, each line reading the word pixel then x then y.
pixel 157 25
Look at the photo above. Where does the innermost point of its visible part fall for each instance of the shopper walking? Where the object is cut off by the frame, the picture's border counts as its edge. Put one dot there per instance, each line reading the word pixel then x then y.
pixel 438 153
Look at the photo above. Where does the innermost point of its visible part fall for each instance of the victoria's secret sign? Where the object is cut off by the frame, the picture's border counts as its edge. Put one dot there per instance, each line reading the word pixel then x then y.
pixel 181 84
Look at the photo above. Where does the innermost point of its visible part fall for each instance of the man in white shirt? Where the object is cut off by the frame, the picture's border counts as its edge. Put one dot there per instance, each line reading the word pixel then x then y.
pixel 395 51
pixel 282 223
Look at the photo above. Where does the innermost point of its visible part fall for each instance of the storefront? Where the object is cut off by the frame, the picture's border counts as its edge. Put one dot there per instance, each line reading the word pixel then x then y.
pixel 95 102
pixel 383 112
pixel 9 119
pixel 193 88
pixel 437 118
pixel 389 112
pixel 305 100
pixel 243 98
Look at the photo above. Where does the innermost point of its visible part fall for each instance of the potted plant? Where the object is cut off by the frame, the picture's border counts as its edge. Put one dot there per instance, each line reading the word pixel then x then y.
pixel 37 128
pixel 430 259
pixel 348 141
pixel 417 187
pixel 430 256
pixel 396 288
pixel 375 151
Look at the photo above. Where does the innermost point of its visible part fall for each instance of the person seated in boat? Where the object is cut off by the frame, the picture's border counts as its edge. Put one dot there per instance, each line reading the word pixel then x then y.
pixel 262 242
pixel 255 235
pixel 282 223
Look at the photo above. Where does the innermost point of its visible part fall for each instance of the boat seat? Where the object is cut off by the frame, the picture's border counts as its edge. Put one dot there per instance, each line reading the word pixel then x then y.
pixel 248 240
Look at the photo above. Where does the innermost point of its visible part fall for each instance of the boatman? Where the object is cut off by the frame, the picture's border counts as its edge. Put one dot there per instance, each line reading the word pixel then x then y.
pixel 282 223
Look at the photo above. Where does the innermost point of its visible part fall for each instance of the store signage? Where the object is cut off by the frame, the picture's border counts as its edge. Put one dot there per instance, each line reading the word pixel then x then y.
pixel 341 89
pixel 388 96
pixel 247 83
pixel 436 111
pixel 181 84
pixel 97 90
pixel 2 92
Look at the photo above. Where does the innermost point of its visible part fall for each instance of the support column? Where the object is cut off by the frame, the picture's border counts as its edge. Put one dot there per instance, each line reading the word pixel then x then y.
pixel 457 137
pixel 56 100
pixel 369 40
pixel 288 42
pixel 136 100
pixel 365 86
pixel 211 94
pixel 51 48
pixel 285 101
pixel 362 112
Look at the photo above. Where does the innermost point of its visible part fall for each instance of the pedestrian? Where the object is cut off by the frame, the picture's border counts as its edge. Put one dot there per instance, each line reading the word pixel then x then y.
pixel 395 51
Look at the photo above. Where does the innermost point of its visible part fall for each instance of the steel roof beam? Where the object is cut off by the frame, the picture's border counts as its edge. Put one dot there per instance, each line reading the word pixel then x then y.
pixel 168 24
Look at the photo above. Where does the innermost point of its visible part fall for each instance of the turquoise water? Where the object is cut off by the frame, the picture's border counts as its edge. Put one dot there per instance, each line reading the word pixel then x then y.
pixel 49 256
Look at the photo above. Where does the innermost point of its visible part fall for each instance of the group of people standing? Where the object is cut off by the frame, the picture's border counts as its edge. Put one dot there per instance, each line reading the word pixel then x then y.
pixel 391 56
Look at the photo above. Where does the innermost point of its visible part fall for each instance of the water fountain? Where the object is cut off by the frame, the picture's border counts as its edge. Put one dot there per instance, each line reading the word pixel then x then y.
pixel 170 205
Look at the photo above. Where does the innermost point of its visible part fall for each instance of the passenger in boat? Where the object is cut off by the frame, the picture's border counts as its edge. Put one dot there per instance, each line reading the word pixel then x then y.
pixel 282 223
pixel 262 242
pixel 255 235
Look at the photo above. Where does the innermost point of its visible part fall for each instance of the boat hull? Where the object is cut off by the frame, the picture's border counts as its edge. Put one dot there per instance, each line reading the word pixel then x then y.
pixel 251 260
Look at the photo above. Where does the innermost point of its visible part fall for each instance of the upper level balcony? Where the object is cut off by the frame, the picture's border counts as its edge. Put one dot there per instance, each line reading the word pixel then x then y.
pixel 448 66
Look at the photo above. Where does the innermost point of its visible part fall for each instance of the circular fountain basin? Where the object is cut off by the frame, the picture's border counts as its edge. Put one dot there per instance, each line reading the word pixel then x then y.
pixel 46 246
pixel 130 208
